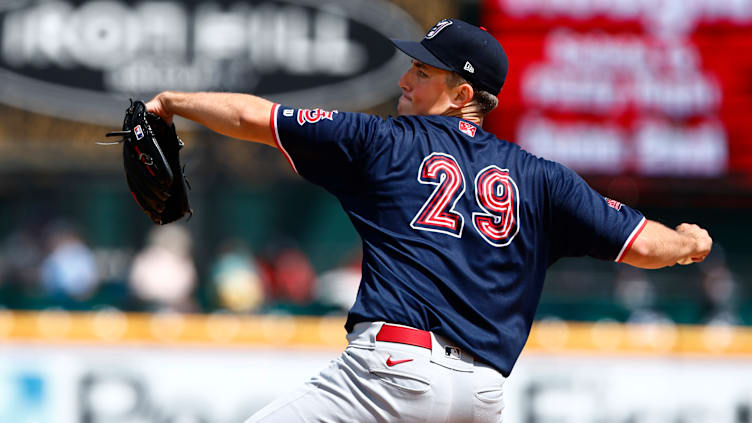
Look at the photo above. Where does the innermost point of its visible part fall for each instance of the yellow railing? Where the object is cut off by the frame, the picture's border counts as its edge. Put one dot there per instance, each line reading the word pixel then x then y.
pixel 272 331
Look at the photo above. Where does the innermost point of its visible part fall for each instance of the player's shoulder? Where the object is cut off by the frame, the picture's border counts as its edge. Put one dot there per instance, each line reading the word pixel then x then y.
pixel 447 125
pixel 556 174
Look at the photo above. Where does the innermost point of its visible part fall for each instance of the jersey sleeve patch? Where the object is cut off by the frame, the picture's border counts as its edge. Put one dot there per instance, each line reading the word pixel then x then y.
pixel 613 203
pixel 314 115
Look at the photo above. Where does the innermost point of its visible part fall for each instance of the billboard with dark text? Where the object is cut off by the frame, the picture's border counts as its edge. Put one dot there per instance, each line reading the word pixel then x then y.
pixel 82 59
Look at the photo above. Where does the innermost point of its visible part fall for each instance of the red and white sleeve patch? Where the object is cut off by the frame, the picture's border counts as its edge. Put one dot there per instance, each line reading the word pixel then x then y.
pixel 314 115
pixel 275 133
pixel 613 203
pixel 467 129
pixel 631 239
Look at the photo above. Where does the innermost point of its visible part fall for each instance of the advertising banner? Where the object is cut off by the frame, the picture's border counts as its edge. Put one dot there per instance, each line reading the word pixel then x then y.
pixel 649 89
pixel 95 384
pixel 110 367
pixel 82 59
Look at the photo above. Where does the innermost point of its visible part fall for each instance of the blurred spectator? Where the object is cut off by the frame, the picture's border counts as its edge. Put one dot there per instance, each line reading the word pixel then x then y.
pixel 69 272
pixel 636 293
pixel 20 256
pixel 163 273
pixel 720 291
pixel 338 287
pixel 235 279
pixel 292 281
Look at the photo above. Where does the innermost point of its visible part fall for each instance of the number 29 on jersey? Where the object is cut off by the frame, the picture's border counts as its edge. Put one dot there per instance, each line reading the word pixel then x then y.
pixel 496 196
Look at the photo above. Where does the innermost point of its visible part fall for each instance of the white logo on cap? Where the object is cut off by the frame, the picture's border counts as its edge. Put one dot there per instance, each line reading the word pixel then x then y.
pixel 468 67
pixel 438 27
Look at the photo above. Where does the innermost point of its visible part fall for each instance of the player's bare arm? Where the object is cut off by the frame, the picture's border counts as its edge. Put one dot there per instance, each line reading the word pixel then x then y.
pixel 658 246
pixel 240 116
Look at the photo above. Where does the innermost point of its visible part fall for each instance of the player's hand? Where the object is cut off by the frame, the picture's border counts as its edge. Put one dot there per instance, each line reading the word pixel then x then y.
pixel 158 106
pixel 702 243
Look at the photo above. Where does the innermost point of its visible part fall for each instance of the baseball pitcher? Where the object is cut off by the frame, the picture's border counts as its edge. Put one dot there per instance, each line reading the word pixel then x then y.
pixel 458 229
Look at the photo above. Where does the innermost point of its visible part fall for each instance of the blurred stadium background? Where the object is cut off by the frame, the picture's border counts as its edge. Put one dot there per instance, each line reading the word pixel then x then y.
pixel 106 318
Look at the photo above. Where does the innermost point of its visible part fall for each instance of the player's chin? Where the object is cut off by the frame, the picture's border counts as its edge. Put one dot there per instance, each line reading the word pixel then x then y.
pixel 404 107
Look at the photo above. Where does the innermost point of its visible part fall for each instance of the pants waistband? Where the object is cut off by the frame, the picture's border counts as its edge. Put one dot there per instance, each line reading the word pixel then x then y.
pixel 371 335
pixel 404 335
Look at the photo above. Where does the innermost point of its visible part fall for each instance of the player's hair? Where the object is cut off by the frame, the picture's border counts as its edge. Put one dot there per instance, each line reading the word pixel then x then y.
pixel 485 100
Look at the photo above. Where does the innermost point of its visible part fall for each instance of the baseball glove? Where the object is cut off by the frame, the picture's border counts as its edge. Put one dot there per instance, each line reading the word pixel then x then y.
pixel 151 157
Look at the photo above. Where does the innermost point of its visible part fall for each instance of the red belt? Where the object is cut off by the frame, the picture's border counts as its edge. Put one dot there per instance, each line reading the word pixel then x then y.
pixel 403 335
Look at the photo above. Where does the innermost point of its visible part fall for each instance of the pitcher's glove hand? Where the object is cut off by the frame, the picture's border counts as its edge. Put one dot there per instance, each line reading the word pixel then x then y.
pixel 151 157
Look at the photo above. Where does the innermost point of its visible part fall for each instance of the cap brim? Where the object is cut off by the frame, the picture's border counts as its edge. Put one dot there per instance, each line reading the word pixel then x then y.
pixel 416 50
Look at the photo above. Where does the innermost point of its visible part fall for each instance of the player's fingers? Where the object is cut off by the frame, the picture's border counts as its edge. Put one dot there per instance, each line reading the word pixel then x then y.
pixel 688 228
pixel 155 106
pixel 703 249
pixel 706 242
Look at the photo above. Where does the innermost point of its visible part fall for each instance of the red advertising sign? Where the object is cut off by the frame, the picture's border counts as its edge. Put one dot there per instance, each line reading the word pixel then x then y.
pixel 653 89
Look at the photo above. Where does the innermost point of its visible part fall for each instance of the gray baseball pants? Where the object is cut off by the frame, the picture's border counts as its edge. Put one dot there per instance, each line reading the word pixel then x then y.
pixel 380 381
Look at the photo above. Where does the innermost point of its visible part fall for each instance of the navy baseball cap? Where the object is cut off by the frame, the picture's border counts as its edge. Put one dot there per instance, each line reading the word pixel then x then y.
pixel 458 46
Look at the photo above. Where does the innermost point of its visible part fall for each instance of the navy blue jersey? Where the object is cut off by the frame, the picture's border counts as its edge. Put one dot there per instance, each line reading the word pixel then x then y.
pixel 458 227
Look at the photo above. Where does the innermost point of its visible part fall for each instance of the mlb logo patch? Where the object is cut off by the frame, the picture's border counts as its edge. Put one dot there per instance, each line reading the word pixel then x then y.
pixel 467 129
pixel 613 203
pixel 453 352
pixel 139 132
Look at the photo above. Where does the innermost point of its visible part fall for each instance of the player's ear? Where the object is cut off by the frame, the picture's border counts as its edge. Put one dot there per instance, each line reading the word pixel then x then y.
pixel 462 94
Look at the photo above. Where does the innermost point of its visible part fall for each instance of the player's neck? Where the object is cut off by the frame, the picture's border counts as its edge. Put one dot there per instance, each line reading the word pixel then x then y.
pixel 469 112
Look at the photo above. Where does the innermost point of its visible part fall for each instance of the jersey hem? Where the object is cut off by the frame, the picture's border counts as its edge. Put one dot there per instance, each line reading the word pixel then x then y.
pixel 275 132
pixel 631 239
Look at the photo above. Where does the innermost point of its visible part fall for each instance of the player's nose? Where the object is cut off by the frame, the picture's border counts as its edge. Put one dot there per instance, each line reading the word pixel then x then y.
pixel 403 82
